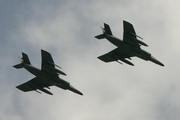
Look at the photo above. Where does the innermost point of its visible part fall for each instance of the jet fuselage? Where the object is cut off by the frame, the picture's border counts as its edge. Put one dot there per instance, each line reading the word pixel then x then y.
pixel 49 78
pixel 37 72
pixel 134 51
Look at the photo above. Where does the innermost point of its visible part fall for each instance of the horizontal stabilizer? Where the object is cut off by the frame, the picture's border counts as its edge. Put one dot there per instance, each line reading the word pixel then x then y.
pixel 18 66
pixel 100 36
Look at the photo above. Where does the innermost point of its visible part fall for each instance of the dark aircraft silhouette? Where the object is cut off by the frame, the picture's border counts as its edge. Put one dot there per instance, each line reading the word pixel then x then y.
pixel 47 76
pixel 126 48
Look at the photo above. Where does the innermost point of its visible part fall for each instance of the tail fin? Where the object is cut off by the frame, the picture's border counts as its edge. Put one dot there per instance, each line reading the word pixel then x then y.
pixel 107 29
pixel 25 58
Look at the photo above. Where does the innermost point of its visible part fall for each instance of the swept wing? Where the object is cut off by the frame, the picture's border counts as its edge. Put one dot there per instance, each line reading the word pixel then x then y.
pixel 116 55
pixel 48 65
pixel 34 84
pixel 130 36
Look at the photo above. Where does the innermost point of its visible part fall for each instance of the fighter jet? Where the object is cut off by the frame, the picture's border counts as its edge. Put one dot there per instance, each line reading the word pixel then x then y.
pixel 47 76
pixel 126 48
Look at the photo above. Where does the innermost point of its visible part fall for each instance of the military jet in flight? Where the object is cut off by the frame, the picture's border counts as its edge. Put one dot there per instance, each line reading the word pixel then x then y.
pixel 126 48
pixel 47 76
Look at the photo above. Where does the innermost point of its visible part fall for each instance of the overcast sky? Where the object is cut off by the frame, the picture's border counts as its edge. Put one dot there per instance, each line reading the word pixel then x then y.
pixel 111 91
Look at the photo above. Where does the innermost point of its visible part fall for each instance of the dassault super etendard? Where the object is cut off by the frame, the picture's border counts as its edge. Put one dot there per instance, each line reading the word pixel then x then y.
pixel 47 76
pixel 126 48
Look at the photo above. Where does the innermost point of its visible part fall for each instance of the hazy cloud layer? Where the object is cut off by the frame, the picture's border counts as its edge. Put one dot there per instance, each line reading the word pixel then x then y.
pixel 111 91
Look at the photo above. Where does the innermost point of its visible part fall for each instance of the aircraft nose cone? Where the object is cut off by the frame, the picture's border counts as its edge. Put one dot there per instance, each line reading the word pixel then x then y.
pixel 71 88
pixel 79 93
pixel 161 64
pixel 156 61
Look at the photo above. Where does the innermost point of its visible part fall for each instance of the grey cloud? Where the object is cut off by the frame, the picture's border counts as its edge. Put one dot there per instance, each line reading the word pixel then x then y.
pixel 111 91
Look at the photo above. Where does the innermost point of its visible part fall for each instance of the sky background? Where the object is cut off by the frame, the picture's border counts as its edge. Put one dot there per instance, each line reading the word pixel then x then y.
pixel 111 91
